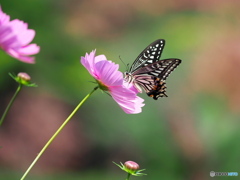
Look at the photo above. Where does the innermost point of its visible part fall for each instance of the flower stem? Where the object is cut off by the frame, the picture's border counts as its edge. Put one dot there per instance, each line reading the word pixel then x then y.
pixel 10 103
pixel 56 133
pixel 128 176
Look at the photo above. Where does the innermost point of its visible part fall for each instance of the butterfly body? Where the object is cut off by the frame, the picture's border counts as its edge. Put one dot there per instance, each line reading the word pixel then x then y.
pixel 149 73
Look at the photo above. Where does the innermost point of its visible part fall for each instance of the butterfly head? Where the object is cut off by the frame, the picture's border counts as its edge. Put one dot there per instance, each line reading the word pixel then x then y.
pixel 128 77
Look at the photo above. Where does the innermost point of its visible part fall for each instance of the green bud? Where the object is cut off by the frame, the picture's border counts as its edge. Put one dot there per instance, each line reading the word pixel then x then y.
pixel 24 76
pixel 23 79
pixel 131 165
pixel 131 168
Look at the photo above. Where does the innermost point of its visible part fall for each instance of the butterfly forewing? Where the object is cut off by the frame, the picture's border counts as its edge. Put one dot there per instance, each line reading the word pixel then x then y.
pixel 160 68
pixel 166 67
pixel 149 55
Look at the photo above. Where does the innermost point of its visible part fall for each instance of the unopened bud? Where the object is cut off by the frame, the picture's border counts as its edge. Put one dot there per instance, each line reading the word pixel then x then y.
pixel 24 76
pixel 131 168
pixel 131 165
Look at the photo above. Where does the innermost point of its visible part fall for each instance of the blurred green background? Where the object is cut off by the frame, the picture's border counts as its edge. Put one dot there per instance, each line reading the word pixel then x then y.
pixel 185 136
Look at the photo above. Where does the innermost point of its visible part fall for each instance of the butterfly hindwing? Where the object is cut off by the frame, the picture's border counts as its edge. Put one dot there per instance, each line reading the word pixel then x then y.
pixel 158 89
pixel 152 77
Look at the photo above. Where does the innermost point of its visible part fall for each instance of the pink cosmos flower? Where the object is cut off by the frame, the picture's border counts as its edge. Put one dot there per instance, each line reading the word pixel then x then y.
pixel 110 79
pixel 15 38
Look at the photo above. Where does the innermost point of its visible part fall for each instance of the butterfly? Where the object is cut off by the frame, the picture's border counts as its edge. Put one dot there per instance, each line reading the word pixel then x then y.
pixel 149 73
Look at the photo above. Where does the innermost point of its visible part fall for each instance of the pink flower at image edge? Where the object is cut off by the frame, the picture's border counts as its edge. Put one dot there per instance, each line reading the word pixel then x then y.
pixel 107 75
pixel 15 38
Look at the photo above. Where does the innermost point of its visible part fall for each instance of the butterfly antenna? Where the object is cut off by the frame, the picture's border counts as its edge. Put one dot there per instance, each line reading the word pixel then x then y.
pixel 126 65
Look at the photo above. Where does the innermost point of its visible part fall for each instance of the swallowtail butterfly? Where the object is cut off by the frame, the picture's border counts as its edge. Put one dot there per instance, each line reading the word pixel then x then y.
pixel 149 73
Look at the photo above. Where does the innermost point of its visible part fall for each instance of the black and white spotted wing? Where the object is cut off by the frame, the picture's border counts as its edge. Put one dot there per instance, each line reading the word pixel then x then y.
pixel 149 73
pixel 149 55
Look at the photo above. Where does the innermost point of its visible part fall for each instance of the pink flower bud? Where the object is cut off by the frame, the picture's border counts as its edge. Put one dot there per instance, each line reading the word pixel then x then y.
pixel 131 165
pixel 24 76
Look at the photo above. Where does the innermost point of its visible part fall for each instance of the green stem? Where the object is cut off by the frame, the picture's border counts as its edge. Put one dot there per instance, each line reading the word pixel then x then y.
pixel 128 176
pixel 56 133
pixel 10 103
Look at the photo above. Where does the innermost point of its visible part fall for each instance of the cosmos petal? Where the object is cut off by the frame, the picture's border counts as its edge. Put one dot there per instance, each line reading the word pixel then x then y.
pixel 107 74
pixel 15 38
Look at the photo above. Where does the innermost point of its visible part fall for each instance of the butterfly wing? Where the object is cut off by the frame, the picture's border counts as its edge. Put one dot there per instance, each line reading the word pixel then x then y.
pixel 152 77
pixel 149 73
pixel 160 68
pixel 149 55
pixel 158 90
pixel 152 85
